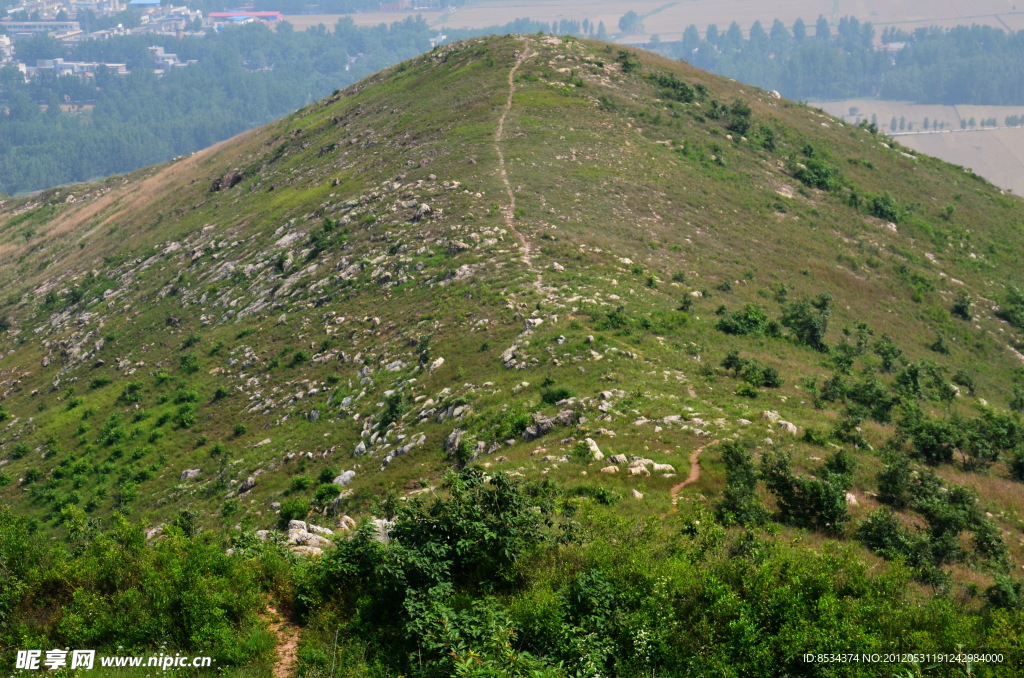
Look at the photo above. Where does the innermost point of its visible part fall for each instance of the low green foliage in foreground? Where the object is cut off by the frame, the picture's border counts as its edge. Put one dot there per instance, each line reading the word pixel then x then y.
pixel 497 578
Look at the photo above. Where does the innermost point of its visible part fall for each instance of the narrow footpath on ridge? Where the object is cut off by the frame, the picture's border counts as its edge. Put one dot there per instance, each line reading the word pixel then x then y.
pixel 694 472
pixel 287 635
pixel 509 211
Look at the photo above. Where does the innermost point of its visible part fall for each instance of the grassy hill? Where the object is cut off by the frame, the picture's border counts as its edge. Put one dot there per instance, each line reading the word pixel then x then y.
pixel 503 255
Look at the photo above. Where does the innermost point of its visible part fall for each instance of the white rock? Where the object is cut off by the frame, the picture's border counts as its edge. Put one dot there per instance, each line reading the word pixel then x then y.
pixel 345 478
pixel 788 427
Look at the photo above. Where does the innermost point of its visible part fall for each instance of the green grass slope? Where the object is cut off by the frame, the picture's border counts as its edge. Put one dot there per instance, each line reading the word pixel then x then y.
pixel 498 251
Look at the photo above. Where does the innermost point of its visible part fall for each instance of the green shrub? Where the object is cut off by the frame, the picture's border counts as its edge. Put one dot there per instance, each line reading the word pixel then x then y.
pixel 395 406
pixel 740 503
pixel 808 320
pixel 99 382
pixel 240 430
pixel 296 508
pixel 817 173
pixel 818 503
pixel 186 395
pixel 884 534
pixel 550 396
pixel 749 320
pixel 962 306
pixel 189 363
pixel 131 393
pixel 1012 308
pixel 511 422
pixel 186 415
pixel 886 207
pixel 325 494
pixel 300 484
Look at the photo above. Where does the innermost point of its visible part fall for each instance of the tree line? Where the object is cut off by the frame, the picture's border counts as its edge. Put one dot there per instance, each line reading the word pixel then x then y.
pixel 977 65
pixel 244 77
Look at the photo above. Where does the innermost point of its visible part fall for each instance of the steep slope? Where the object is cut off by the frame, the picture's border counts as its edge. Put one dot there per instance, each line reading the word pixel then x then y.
pixel 497 251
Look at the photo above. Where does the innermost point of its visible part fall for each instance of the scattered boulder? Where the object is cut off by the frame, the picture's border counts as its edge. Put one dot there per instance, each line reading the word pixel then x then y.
pixel 788 427
pixel 595 451
pixel 229 180
pixel 190 473
pixel 436 364
pixel 383 528
pixel 851 499
pixel 663 468
pixel 770 415
pixel 422 212
pixel 345 478
pixel 618 459
pixel 307 551
pixel 247 484
pixel 451 444
pixel 636 494
pixel 610 469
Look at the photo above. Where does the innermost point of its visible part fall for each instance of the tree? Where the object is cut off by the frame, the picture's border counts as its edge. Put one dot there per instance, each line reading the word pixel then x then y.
pixel 808 320
pixel 799 30
pixel 630 22
pixel 740 503
pixel 821 29
pixel 780 36
pixel 818 503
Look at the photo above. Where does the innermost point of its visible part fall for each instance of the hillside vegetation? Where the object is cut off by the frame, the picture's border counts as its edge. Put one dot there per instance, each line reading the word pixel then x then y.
pixel 589 362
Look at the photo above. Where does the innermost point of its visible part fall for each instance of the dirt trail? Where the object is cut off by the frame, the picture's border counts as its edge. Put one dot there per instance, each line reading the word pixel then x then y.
pixel 694 472
pixel 509 211
pixel 287 643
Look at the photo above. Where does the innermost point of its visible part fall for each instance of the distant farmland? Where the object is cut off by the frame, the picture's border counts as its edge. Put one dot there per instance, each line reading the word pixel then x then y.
pixel 669 19
pixel 995 153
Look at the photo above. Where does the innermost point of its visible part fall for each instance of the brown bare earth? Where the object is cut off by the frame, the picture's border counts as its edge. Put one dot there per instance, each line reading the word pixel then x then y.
pixel 995 153
pixel 694 472
pixel 287 643
pixel 669 19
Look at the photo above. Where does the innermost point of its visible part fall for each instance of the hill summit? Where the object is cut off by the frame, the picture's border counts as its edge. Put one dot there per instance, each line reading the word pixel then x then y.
pixel 543 256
